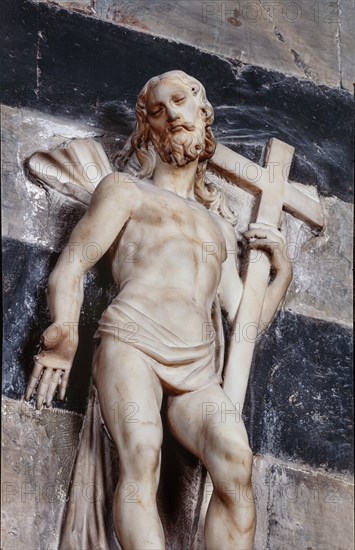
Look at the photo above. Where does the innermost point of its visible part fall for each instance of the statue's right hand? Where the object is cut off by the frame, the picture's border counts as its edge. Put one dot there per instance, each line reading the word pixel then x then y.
pixel 52 364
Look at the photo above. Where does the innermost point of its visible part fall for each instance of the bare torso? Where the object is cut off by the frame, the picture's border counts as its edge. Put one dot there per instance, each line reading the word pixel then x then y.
pixel 162 260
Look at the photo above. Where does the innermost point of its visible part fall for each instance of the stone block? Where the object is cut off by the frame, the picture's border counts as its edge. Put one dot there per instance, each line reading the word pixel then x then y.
pixel 38 452
pixel 305 508
pixel 309 40
pixel 297 507
pixel 345 39
pixel 85 7
pixel 299 401
pixel 310 118
pixel 19 70
pixel 322 265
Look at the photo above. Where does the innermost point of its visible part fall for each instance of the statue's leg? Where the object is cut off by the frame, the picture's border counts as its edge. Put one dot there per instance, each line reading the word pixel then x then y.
pixel 130 398
pixel 209 426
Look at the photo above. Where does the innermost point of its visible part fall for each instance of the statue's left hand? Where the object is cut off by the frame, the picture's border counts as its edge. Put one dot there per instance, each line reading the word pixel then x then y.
pixel 264 237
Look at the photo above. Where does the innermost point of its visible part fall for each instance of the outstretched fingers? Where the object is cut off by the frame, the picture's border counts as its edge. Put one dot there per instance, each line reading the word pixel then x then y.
pixel 63 384
pixel 52 386
pixel 36 374
pixel 43 387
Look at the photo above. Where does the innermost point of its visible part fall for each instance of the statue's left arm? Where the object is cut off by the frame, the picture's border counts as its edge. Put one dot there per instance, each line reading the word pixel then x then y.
pixel 230 290
pixel 263 237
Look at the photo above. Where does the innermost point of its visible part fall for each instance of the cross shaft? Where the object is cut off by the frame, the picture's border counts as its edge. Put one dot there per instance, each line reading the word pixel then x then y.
pixel 275 194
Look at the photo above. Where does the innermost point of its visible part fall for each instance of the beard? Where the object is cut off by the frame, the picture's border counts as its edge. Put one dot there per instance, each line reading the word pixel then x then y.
pixel 181 146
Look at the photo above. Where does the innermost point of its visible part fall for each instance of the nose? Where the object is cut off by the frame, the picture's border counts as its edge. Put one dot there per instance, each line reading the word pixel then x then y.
pixel 172 114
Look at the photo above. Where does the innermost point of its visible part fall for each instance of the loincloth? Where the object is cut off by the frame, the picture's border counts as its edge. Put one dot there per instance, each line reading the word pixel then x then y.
pixel 181 366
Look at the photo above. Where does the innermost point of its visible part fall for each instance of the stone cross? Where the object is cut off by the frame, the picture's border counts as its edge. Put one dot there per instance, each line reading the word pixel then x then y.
pixel 275 193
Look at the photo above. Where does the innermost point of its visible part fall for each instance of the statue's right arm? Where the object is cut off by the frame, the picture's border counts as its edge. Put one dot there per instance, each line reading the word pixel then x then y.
pixel 110 207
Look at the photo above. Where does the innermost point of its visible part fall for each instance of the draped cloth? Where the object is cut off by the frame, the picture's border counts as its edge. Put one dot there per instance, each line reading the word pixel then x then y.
pixel 88 517
pixel 181 366
pixel 87 522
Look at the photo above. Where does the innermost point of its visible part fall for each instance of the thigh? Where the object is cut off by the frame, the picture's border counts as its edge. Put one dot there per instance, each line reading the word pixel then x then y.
pixel 206 422
pixel 130 395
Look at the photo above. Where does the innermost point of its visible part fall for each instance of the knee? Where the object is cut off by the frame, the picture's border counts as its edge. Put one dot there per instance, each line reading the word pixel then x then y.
pixel 141 460
pixel 231 469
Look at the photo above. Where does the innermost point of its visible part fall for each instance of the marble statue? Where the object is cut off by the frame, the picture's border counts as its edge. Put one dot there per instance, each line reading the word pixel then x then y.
pixel 173 258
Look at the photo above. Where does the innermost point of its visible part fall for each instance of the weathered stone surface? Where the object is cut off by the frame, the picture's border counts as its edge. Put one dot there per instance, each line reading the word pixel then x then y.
pixel 267 104
pixel 299 402
pixel 22 16
pixel 345 39
pixel 296 497
pixel 86 7
pixel 322 265
pixel 297 507
pixel 299 38
pixel 28 212
pixel 38 451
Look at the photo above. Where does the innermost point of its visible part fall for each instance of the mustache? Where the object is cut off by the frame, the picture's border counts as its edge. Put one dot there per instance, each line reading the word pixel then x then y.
pixel 170 128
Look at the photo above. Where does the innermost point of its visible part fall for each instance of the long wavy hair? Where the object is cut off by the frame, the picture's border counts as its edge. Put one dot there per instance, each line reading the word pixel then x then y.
pixel 139 142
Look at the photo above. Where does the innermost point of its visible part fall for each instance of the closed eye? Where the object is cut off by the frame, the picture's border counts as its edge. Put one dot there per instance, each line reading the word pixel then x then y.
pixel 179 100
pixel 157 113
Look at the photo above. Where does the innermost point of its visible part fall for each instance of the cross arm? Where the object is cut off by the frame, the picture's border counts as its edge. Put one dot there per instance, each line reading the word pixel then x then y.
pixel 271 180
pixel 237 169
pixel 302 206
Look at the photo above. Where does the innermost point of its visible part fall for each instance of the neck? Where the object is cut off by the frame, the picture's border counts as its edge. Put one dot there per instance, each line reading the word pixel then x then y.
pixel 178 179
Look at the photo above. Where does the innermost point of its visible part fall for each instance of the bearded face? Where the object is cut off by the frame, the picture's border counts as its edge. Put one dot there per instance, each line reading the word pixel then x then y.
pixel 174 115
pixel 180 142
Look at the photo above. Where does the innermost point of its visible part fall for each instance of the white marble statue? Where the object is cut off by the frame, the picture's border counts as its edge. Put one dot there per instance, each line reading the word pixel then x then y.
pixel 156 335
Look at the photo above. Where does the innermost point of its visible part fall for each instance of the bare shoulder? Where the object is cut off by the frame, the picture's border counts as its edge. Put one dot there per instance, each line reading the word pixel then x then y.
pixel 227 230
pixel 118 187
